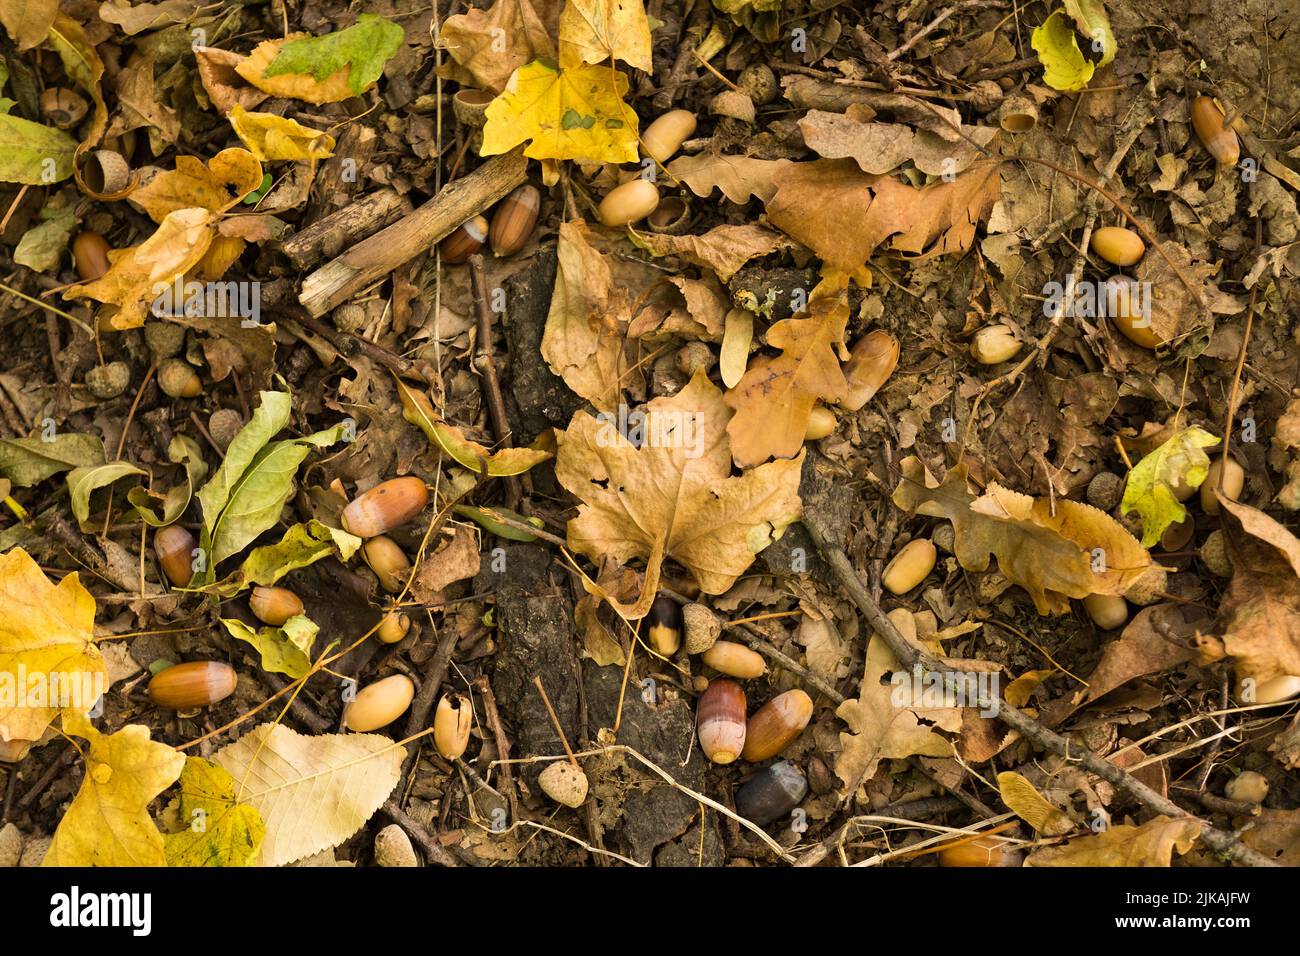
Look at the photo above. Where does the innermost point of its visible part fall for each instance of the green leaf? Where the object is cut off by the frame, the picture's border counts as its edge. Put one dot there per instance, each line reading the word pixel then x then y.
pixel 270 417
pixel 42 247
pixel 487 518
pixel 34 154
pixel 219 831
pixel 1151 483
pixel 284 650
pixel 303 544
pixel 1064 66
pixel 26 461
pixel 364 47
pixel 182 449
pixel 1091 18
pixel 86 479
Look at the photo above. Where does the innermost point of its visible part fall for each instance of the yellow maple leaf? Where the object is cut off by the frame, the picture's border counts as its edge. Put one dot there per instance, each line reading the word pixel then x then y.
pixel 576 113
pixel 226 179
pixel 298 86
pixel 271 138
pixel 46 648
pixel 595 30
pixel 108 823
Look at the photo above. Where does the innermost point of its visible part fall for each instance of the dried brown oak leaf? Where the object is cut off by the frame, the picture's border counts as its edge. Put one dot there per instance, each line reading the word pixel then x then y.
pixel 1260 615
pixel 674 496
pixel 774 399
pixel 1074 552
pixel 739 177
pixel 1151 844
pixel 724 249
pixel 474 40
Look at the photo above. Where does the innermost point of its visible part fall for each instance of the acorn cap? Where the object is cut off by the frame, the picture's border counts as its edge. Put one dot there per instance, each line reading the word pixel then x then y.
pixel 564 783
pixel 701 627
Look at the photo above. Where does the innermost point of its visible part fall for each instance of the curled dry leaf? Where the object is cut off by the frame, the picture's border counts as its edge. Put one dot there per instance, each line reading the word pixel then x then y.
pixel 1151 844
pixel 271 138
pixel 724 249
pixel 221 80
pixel 478 60
pixel 217 186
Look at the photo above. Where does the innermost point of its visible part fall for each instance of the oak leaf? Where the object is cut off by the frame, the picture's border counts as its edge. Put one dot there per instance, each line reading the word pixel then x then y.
pixel 724 249
pixel 487 46
pixel 595 30
pixel 674 496
pixel 1151 844
pixel 739 177
pixel 217 186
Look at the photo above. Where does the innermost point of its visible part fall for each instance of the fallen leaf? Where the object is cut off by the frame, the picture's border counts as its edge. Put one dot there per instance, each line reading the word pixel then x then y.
pixel 456 560
pixel 1023 799
pixel 1064 66
pixel 42 247
pixel 303 544
pixel 739 177
pixel 1150 487
pixel 34 154
pixel 283 650
pixel 273 138
pixel 1093 22
pixel 140 17
pixel 138 104
pixel 28 461
pixel 28 21
pixel 487 46
pixel 182 449
pixel 1151 844
pixel 217 186
pixel 219 831
pixel 221 80
pixel 877 148
pixel 83 481
pixel 592 31
pixel 723 249
pixel 324 69
pixel 1274 833
pixel 83 66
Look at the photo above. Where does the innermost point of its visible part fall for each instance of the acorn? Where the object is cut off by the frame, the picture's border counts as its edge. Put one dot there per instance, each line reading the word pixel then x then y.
pixel 671 217
pixel 776 724
pixel 465 240
pixel 564 783
pixel 994 344
pixel 191 685
pixel 470 107
pixel 872 360
pixel 663 626
pixel 628 203
pixel 771 793
pixel 393 848
pixel 701 628
pixel 1149 587
pixel 174 547
pixel 388 505
pixel 108 381
pixel 735 660
pixel 62 107
pixel 393 627
pixel 274 606
pixel 914 561
pixel 177 378
pixel 1234 479
pixel 1119 293
pixel 759 82
pixel 720 721
pixel 12 751
pixel 514 219
pixel 106 172
pixel 1108 611
pixel 164 338
pixel 1214 555
pixel 1018 114
pixel 665 136
pixel 1105 490
pixel 694 357
pixel 388 561
pixel 90 255
pixel 451 725
pixel 1247 787
pixel 223 425
pixel 821 422
pixel 1178 534
pixel 1221 142
pixel 1277 689
pixel 379 704
pixel 981 852
pixel 1118 246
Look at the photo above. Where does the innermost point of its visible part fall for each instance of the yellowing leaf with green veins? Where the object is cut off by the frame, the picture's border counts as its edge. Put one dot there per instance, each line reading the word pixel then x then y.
pixel 1023 799
pixel 108 823
pixel 47 629
pixel 417 410
pixel 285 649
pixel 324 69
pixel 1064 66
pixel 577 113
pixel 592 31
pixel 274 138
pixel 82 482
pixel 1093 21
pixel 219 831
pixel 33 154
pixel 1150 486
pixel 303 544
pixel 226 179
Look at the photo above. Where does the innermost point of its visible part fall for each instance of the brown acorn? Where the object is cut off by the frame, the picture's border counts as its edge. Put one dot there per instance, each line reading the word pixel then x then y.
pixel 388 505
pixel 196 684
pixel 393 627
pixel 980 852
pixel 871 361
pixel 514 219
pixel 174 547
pixel 663 626
pixel 720 721
pixel 464 241
pixel 379 704
pixel 735 660
pixel 776 724
pixel 90 255
pixel 388 561
pixel 274 606
pixel 1220 141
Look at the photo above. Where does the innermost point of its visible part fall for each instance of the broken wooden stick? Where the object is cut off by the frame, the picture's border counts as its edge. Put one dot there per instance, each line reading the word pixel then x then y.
pixel 374 258
pixel 340 229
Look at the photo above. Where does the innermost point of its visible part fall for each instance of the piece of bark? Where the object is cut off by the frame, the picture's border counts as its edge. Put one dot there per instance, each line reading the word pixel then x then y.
pixel 340 229
pixel 374 258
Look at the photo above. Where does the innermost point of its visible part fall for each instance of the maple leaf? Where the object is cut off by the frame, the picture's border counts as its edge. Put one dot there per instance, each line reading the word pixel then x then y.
pixel 487 46
pixel 1050 555
pixel 217 186
pixel 108 822
pixel 46 632
pixel 775 397
pixel 219 831
pixel 880 729
pixel 674 496
pixel 593 30
pixel 576 113
pixel 325 69
pixel 1064 65
pixel 1150 486
pixel 1151 844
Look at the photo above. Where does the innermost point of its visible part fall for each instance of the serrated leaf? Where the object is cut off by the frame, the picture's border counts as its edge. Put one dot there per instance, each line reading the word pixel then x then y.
pixel 285 649
pixel 1151 844
pixel 27 461
pixel 82 482
pixel 1064 65
pixel 362 50
pixel 219 830
pixel 1150 486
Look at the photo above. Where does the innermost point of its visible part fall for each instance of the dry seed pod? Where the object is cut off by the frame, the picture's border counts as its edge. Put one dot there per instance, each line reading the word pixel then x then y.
pixel 1118 246
pixel 388 505
pixel 663 626
pixel 1135 326
pixel 1234 479
pixel 177 378
pixel 910 566
pixel 665 135
pixel 108 381
pixel 64 108
pixel 389 562
pixel 514 219
pixel 776 724
pixel 759 82
pixel 737 335
pixel 164 339
pixel 628 203
pixel 701 628
pixel 90 255
pixel 1018 114
pixel 393 627
pixel 470 107
pixel 1220 141
pixel 986 96
pixel 720 721
pixel 106 172
pixel 393 848
pixel 982 851
pixel 821 422
pixel 672 217
pixel 872 360
pixel 994 344
pixel 734 104
pixel 694 357
pixel 196 684
pixel 735 660
pixel 223 425
pixel 464 241
pixel 174 547
pixel 771 793
pixel 1277 689
pixel 274 606
pixel 349 317
pixel 1248 787
pixel 1149 587
pixel 379 704
pixel 1214 555
pixel 451 725
pixel 1108 611
pixel 1105 490
pixel 564 783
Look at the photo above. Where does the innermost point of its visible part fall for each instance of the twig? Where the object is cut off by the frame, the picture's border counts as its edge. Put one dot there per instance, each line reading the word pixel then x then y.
pixel 488 369
pixel 503 745
pixel 555 720
pixel 435 851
